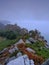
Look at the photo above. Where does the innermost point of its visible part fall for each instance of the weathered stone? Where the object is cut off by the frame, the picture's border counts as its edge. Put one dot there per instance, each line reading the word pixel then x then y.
pixel 30 50
pixel 27 41
pixel 32 40
pixel 19 54
pixel 46 62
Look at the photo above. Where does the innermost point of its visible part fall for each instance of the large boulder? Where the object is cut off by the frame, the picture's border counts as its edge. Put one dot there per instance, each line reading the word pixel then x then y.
pixel 19 42
pixel 27 41
pixel 32 40
pixel 30 50
pixel 23 60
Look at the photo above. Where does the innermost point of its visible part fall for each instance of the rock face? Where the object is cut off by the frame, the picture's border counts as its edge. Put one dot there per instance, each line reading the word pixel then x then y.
pixel 19 54
pixel 23 31
pixel 30 50
pixel 12 27
pixel 46 62
pixel 12 50
pixel 27 41
pixel 20 41
pixel 46 45
pixel 38 60
pixel 10 59
pixel 32 40
pixel 23 60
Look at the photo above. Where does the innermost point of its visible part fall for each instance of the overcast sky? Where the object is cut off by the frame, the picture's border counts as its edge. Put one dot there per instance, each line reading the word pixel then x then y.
pixel 30 14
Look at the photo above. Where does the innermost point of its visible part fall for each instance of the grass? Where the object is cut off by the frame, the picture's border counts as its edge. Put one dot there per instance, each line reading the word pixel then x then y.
pixel 7 42
pixel 1 39
pixel 44 52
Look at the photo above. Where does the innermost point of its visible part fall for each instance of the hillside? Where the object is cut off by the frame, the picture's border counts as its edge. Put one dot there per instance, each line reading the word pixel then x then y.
pixel 33 43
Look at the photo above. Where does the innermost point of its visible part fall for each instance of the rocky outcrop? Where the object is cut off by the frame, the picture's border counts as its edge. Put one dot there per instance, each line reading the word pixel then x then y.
pixel 46 62
pixel 12 27
pixel 37 59
pixel 23 31
pixel 22 60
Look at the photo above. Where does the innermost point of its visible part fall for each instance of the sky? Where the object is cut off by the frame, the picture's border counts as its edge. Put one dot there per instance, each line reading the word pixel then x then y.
pixel 31 14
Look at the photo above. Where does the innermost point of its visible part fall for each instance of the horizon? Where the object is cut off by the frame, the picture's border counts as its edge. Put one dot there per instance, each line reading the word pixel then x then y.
pixel 30 14
pixel 43 33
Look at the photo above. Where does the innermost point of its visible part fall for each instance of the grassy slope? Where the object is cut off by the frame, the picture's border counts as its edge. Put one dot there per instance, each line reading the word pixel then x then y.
pixel 5 43
pixel 44 52
pixel 1 39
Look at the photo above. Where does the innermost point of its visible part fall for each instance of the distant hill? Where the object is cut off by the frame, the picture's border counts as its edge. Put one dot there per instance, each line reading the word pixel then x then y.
pixel 18 31
pixel 4 22
pixel 2 26
pixel 5 30
pixel 12 33
pixel 12 27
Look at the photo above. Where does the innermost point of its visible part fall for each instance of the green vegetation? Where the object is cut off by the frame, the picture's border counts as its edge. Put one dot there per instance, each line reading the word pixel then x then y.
pixel 35 33
pixel 7 42
pixel 14 54
pixel 8 34
pixel 40 49
pixel 1 39
pixel 12 33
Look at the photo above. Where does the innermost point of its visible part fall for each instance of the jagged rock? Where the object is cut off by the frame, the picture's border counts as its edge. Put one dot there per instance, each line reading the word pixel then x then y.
pixel 46 62
pixel 23 60
pixel 19 54
pixel 5 49
pixel 16 48
pixel 27 41
pixel 30 50
pixel 31 40
pixel 47 46
pixel 12 27
pixel 20 41
pixel 12 50
pixel 23 31
pixel 9 59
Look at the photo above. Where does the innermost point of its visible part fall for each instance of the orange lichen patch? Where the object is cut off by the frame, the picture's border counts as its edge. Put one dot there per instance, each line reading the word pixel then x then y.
pixel 37 59
pixel 20 46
